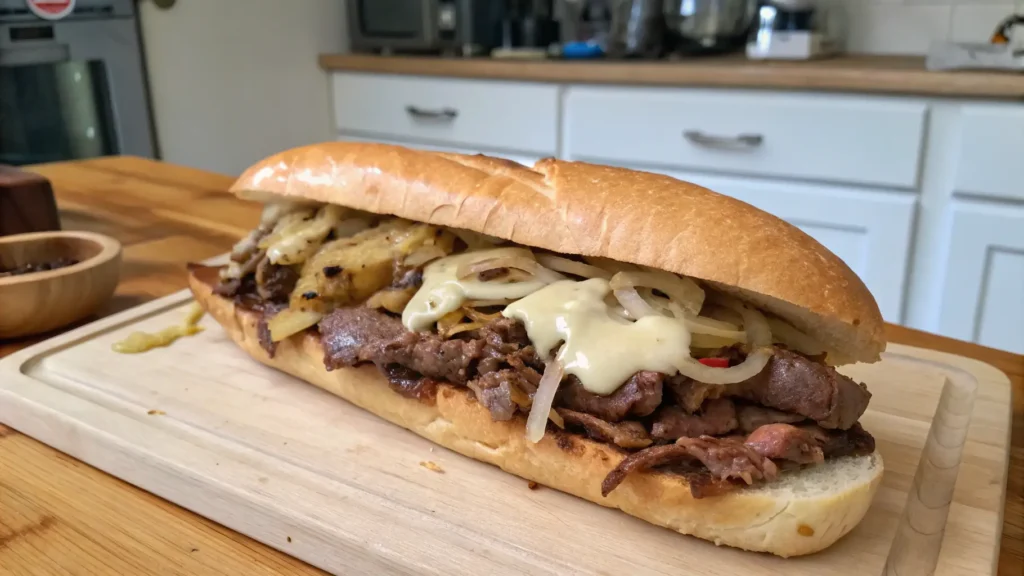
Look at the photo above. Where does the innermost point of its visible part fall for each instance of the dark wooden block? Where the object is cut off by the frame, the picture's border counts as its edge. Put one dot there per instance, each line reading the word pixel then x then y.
pixel 26 202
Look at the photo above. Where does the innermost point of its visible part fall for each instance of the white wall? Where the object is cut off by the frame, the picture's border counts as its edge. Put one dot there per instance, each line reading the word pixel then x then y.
pixel 233 81
pixel 909 26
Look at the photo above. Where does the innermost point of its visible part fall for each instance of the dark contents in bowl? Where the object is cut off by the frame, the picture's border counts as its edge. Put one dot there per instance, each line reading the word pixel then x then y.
pixel 37 267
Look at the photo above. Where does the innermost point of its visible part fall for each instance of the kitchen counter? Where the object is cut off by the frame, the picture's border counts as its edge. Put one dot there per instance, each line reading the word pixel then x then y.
pixel 58 514
pixel 851 73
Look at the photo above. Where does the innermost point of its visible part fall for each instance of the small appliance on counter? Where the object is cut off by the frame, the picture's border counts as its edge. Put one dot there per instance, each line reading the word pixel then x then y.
pixel 794 30
pixel 708 26
pixel 527 30
pixel 453 27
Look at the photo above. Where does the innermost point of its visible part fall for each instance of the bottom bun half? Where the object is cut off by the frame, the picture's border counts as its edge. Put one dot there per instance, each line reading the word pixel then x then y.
pixel 801 513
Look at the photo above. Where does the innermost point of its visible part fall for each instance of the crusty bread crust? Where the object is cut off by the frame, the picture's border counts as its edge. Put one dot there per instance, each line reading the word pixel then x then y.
pixel 592 210
pixel 787 518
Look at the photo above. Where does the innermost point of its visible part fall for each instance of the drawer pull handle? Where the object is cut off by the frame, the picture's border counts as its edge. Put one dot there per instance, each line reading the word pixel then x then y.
pixel 442 114
pixel 743 141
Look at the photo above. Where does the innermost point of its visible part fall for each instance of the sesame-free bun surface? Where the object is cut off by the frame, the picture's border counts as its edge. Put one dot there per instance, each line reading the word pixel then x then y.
pixel 801 513
pixel 593 210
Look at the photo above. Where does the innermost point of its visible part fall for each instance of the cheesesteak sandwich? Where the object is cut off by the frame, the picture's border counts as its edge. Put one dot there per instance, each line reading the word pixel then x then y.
pixel 634 340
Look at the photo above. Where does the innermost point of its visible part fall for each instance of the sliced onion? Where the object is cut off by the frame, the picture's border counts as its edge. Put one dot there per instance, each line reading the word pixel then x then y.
pixel 391 299
pixel 303 242
pixel 352 226
pixel 683 291
pixel 573 267
pixel 422 255
pixel 758 334
pixel 467 269
pixel 710 342
pixel 291 321
pixel 463 328
pixel 478 316
pixel 708 326
pixel 448 321
pixel 487 303
pixel 793 338
pixel 609 265
pixel 537 421
pixel 556 418
pixel 633 303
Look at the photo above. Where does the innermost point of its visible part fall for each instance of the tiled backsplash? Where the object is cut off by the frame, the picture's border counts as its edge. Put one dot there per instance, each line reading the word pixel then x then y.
pixel 909 26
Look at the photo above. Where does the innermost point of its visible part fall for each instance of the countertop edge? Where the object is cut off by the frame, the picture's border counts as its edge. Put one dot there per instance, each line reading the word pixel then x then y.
pixel 865 74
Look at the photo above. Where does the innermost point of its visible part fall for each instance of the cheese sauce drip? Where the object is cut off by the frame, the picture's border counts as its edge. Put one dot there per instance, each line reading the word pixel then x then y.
pixel 442 292
pixel 600 348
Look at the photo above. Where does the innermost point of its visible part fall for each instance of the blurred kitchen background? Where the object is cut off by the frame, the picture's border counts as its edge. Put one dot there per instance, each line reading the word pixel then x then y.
pixel 855 120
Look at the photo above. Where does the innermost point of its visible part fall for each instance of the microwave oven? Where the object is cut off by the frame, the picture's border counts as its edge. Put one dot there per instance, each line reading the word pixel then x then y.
pixel 465 27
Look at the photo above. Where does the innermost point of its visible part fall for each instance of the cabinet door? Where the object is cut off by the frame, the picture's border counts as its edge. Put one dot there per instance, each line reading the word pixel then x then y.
pixel 524 160
pixel 983 292
pixel 870 231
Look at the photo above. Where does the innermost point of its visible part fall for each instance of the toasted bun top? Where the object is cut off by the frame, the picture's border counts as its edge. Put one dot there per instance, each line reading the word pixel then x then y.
pixel 593 210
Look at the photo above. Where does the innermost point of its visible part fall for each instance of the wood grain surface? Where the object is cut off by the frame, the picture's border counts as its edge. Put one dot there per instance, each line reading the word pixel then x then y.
pixel 60 516
pixel 852 73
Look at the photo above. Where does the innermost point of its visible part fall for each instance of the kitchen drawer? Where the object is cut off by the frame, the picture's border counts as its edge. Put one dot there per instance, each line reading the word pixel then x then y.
pixel 991 151
pixel 515 116
pixel 869 230
pixel 875 141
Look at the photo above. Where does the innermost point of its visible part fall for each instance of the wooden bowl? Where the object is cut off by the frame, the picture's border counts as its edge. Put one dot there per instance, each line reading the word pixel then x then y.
pixel 37 302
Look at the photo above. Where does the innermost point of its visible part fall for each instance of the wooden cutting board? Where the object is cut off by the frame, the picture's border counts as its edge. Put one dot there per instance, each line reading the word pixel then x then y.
pixel 201 424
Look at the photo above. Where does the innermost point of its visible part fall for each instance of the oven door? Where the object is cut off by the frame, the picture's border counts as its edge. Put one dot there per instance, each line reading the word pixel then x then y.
pixel 71 90
pixel 54 111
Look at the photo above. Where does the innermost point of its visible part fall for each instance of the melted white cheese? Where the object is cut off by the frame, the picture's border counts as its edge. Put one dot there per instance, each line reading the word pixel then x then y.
pixel 442 292
pixel 600 348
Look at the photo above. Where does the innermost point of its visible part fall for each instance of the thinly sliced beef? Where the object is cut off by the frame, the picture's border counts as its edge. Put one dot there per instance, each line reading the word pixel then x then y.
pixel 639 396
pixel 793 383
pixel 498 391
pixel 690 394
pixel 725 459
pixel 838 443
pixel 623 434
pixel 275 283
pixel 410 384
pixel 717 417
pixel 266 312
pixel 786 442
pixel 751 417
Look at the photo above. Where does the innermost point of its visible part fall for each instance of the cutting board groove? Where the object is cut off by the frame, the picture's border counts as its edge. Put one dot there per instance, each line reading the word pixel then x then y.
pixel 202 425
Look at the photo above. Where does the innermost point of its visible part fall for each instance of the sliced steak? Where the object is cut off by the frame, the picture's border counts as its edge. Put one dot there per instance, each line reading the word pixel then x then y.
pixel 724 458
pixel 838 443
pixel 717 417
pixel 793 383
pixel 411 384
pixel 275 283
pixel 690 394
pixel 631 434
pixel 266 311
pixel 353 336
pixel 639 396
pixel 751 417
pixel 498 391
pixel 786 442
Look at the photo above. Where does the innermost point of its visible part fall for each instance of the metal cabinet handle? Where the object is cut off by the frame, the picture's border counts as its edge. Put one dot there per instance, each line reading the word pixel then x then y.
pixel 442 114
pixel 726 142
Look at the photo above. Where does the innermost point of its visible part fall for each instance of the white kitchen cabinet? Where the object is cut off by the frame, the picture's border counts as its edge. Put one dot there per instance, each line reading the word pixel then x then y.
pixel 983 292
pixel 870 231
pixel 991 151
pixel 829 138
pixel 518 117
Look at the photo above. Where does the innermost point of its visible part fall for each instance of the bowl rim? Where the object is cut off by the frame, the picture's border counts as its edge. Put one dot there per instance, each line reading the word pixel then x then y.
pixel 110 249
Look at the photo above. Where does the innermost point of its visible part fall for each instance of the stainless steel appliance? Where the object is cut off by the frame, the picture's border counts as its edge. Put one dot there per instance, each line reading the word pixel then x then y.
pixel 465 27
pixel 795 30
pixel 72 88
pixel 637 29
pixel 705 26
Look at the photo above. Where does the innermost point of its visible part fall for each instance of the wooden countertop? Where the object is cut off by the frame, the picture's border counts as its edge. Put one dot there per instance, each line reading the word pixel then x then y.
pixel 59 515
pixel 874 74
